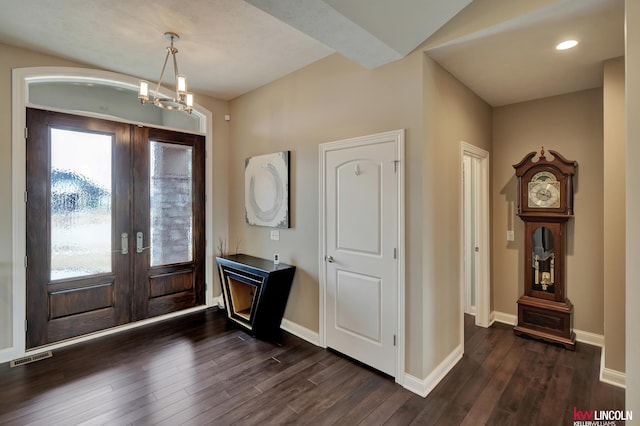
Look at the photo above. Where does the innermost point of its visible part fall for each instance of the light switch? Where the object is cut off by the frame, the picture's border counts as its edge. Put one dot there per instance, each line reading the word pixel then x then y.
pixel 275 235
pixel 511 236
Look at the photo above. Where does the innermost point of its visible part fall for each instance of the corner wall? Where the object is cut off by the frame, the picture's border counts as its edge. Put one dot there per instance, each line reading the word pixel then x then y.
pixel 632 91
pixel 453 113
pixel 614 215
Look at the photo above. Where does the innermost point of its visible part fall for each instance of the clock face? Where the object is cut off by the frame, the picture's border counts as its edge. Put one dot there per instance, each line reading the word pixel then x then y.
pixel 544 191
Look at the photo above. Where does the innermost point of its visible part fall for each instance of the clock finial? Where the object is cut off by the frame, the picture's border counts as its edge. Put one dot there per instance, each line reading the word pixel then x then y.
pixel 542 153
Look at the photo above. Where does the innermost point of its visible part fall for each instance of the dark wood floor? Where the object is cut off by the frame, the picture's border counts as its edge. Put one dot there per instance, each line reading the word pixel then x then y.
pixel 198 370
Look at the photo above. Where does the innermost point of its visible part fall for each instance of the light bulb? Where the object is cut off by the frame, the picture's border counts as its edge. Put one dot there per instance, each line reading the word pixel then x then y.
pixel 143 91
pixel 567 44
pixel 181 84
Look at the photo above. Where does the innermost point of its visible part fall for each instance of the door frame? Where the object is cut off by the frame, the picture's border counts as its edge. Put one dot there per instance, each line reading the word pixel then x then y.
pixel 483 290
pixel 396 136
pixel 20 101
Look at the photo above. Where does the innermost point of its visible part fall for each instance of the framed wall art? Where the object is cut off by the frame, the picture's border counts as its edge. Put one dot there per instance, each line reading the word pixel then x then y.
pixel 266 190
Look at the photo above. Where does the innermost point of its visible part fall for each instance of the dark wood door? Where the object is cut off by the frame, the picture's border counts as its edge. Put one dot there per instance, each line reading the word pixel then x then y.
pixel 90 192
pixel 168 222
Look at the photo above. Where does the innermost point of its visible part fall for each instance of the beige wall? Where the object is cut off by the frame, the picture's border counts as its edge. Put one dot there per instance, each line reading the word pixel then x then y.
pixel 11 57
pixel 632 96
pixel 336 99
pixel 614 213
pixel 572 125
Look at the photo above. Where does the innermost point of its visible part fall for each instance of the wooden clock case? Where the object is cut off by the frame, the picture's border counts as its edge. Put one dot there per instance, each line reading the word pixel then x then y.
pixel 544 311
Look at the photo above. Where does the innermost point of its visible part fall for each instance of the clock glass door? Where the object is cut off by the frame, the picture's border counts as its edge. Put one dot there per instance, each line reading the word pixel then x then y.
pixel 543 260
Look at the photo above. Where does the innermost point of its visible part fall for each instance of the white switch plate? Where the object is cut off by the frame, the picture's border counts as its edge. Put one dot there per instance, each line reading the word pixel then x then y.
pixel 275 235
pixel 511 236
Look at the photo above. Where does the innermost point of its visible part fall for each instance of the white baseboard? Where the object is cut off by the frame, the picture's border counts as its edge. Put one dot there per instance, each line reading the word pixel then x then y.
pixel 590 338
pixel 581 336
pixel 304 333
pixel 613 377
pixel 218 301
pixel 6 355
pixel 503 318
pixel 423 387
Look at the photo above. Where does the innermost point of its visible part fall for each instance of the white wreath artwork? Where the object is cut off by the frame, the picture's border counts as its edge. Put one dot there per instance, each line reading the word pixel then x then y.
pixel 266 190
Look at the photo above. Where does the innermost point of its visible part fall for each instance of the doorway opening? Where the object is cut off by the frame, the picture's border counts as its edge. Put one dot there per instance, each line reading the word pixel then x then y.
pixel 475 286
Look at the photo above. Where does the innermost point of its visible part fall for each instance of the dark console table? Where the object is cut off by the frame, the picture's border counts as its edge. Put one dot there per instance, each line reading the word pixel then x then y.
pixel 255 293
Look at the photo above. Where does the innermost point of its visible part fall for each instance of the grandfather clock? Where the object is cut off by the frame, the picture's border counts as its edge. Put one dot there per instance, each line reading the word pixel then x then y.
pixel 545 204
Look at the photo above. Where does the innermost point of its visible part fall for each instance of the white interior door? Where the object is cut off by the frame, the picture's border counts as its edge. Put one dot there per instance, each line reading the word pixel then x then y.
pixel 361 241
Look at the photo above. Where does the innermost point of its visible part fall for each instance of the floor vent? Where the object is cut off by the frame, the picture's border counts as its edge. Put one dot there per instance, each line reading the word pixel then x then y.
pixel 31 358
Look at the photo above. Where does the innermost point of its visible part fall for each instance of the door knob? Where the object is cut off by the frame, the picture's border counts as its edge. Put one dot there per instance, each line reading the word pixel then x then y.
pixel 329 259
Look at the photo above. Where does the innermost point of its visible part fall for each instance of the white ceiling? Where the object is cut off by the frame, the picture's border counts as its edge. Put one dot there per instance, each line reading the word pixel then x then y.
pixel 501 49
pixel 513 57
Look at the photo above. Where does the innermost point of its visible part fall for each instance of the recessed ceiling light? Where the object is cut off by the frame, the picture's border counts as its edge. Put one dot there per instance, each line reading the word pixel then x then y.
pixel 567 44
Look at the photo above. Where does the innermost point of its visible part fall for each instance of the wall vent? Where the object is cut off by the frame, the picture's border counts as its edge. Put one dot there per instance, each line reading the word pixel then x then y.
pixel 31 358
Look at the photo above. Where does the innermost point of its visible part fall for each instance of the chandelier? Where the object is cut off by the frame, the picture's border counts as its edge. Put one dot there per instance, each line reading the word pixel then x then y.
pixel 183 100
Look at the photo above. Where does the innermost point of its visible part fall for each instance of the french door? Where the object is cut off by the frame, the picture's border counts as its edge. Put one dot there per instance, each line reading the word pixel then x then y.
pixel 115 224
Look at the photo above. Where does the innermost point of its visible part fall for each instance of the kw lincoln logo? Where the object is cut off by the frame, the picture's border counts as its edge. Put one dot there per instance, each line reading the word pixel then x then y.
pixel 600 417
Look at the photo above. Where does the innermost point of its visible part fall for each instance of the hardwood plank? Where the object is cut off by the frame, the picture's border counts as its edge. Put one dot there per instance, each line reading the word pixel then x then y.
pixel 503 365
pixel 293 370
pixel 265 407
pixel 127 413
pixel 460 403
pixel 383 389
pixel 325 391
pixel 515 391
pixel 208 408
pixel 413 408
pixel 344 405
pixel 433 412
pixel 529 410
pixel 388 408
pixel 556 398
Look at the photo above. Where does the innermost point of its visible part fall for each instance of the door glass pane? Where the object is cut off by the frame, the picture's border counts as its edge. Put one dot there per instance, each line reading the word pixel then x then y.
pixel 171 203
pixel 80 203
